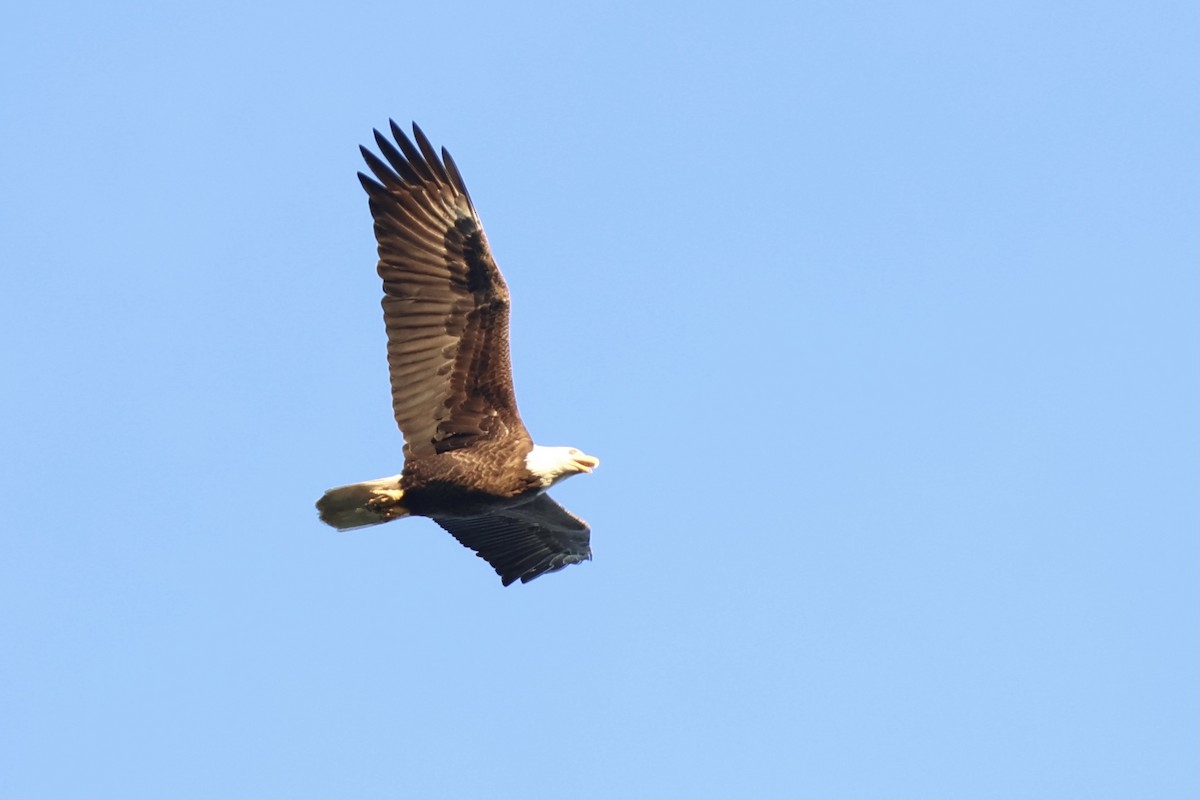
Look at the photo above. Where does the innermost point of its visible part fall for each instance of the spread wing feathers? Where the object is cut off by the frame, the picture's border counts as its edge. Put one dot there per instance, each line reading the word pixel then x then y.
pixel 445 303
pixel 526 541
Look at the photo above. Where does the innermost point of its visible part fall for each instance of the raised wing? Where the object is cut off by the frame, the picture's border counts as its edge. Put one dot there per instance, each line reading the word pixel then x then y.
pixel 445 303
pixel 525 542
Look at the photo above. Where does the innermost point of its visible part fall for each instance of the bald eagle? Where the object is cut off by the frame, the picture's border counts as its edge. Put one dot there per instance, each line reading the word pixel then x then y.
pixel 469 463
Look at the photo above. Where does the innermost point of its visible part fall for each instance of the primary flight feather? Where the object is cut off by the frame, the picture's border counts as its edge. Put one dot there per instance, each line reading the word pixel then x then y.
pixel 469 463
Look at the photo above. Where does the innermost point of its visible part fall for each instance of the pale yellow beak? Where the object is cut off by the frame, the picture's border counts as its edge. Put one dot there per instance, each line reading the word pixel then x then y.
pixel 585 462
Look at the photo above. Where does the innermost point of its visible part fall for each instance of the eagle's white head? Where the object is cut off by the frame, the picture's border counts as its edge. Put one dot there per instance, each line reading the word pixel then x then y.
pixel 553 464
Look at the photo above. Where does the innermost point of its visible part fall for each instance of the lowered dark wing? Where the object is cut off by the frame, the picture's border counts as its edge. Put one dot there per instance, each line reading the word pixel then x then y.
pixel 525 542
pixel 445 303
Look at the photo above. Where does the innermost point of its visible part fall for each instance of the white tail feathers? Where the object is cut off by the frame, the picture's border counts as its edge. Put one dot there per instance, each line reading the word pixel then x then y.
pixel 361 504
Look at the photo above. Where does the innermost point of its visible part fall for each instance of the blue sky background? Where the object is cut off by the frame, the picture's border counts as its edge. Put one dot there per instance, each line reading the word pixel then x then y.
pixel 881 316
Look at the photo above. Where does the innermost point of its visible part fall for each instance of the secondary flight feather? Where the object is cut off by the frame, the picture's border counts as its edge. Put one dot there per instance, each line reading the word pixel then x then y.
pixel 469 463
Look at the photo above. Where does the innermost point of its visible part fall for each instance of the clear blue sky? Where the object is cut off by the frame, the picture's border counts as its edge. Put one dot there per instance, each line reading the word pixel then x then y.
pixel 881 316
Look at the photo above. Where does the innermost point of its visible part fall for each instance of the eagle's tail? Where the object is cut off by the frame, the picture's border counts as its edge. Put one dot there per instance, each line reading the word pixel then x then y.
pixel 362 504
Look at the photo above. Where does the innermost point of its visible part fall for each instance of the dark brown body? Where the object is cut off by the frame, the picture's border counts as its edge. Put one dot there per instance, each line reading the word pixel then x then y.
pixel 467 483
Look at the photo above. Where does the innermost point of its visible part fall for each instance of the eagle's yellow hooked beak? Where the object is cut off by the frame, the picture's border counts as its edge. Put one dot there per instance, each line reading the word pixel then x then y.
pixel 584 462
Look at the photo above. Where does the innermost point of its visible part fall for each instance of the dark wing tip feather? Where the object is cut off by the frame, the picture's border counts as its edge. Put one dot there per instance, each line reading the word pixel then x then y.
pixel 382 171
pixel 374 188
pixel 400 164
pixel 411 153
pixel 430 154
pixel 455 176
